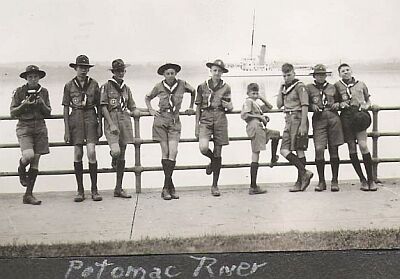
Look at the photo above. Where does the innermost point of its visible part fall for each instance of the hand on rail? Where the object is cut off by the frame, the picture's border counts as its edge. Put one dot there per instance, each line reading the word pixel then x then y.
pixel 190 111
pixel 154 112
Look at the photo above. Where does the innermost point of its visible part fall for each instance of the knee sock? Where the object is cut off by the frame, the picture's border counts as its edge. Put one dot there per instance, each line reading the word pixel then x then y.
pixel 78 167
pixel 335 168
pixel 356 165
pixel 274 147
pixel 321 169
pixel 32 174
pixel 216 169
pixel 253 174
pixel 120 174
pixel 297 162
pixel 209 154
pixel 171 166
pixel 93 175
pixel 164 163
pixel 368 166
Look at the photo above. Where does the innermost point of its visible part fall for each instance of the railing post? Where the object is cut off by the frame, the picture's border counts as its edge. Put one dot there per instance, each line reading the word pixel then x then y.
pixel 137 144
pixel 375 136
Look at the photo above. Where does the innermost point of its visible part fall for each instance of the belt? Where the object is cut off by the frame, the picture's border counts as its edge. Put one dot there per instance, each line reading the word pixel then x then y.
pixel 82 108
pixel 212 109
pixel 293 111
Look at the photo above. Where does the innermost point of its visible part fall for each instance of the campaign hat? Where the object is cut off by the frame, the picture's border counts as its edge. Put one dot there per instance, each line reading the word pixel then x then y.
pixel 167 66
pixel 33 69
pixel 81 60
pixel 219 63
pixel 118 64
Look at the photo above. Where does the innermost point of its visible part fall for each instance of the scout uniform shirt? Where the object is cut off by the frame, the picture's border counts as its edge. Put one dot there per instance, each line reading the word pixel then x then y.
pixel 354 93
pixel 209 97
pixel 83 100
pixel 118 99
pixel 170 96
pixel 294 96
pixel 31 127
pixel 322 95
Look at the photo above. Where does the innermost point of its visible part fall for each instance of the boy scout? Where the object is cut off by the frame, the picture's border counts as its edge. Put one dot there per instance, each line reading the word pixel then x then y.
pixel 256 129
pixel 30 104
pixel 83 125
pixel 327 127
pixel 115 99
pixel 167 125
pixel 213 100
pixel 354 96
pixel 293 97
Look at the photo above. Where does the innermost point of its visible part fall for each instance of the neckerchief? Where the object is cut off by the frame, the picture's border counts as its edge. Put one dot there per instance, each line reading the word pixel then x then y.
pixel 349 85
pixel 321 87
pixel 171 90
pixel 256 105
pixel 209 83
pixel 83 88
pixel 287 88
pixel 120 89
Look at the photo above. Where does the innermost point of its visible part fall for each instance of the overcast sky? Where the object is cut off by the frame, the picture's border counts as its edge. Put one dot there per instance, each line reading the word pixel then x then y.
pixel 189 30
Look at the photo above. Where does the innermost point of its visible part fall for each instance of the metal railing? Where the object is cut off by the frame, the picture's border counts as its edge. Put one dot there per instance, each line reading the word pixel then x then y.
pixel 138 169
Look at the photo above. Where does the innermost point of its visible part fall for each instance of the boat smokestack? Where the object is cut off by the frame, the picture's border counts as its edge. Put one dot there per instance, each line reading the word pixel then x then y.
pixel 261 57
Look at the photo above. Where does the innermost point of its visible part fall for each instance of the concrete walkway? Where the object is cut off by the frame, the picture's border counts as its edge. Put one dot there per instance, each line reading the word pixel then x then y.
pixel 196 213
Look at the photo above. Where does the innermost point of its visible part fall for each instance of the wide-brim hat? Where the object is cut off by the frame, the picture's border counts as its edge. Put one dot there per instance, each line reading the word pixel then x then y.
pixel 361 121
pixel 33 69
pixel 81 60
pixel 118 64
pixel 219 63
pixel 320 69
pixel 167 66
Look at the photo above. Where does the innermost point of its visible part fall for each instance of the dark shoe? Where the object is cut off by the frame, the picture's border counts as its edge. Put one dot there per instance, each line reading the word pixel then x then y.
pixel 273 161
pixel 296 187
pixel 305 179
pixel 256 190
pixel 321 186
pixel 334 186
pixel 364 186
pixel 80 197
pixel 30 199
pixel 172 192
pixel 165 194
pixel 96 196
pixel 372 186
pixel 209 169
pixel 120 193
pixel 215 191
pixel 22 176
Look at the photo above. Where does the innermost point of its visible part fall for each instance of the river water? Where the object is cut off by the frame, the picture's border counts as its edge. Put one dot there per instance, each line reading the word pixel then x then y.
pixel 384 88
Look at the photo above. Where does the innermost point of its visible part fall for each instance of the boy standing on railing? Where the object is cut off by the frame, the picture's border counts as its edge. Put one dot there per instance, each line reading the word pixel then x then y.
pixel 253 114
pixel 116 99
pixel 83 125
pixel 354 98
pixel 213 100
pixel 293 97
pixel 30 104
pixel 167 124
pixel 327 127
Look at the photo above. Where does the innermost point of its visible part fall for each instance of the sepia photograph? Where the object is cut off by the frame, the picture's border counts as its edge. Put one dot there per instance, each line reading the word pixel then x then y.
pixel 199 139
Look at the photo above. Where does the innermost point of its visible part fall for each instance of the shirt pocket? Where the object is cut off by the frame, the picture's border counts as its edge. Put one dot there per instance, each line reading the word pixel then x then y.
pixel 164 100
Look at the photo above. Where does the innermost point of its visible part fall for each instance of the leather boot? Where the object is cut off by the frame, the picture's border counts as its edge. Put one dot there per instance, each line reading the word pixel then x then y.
pixel 321 186
pixel 78 167
pixel 93 178
pixel 254 188
pixel 171 166
pixel 334 186
pixel 28 198
pixel 118 191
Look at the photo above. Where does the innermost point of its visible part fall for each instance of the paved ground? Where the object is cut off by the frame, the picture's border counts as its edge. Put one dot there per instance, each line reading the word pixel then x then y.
pixel 196 213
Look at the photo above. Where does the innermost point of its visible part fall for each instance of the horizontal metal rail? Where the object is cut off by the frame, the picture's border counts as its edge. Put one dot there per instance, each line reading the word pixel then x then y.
pixel 138 141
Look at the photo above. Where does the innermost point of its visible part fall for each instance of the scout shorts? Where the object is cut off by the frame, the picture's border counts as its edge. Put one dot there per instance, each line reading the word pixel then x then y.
pixel 165 128
pixel 32 134
pixel 346 117
pixel 292 124
pixel 214 123
pixel 262 137
pixel 122 120
pixel 327 129
pixel 83 126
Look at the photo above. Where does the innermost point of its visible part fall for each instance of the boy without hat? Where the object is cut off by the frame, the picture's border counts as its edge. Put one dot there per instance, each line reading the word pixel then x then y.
pixel 213 100
pixel 293 97
pixel 327 127
pixel 167 125
pixel 354 97
pixel 253 114
pixel 83 125
pixel 30 104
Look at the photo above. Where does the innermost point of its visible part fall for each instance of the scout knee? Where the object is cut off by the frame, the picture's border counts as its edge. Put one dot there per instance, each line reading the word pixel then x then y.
pixel 28 155
pixel 91 154
pixel 115 151
pixel 363 146
pixel 203 149
pixel 284 152
pixel 319 152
